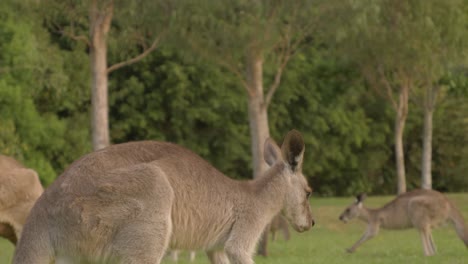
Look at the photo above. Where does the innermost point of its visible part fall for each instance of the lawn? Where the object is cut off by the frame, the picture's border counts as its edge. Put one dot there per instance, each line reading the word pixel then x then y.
pixel 327 240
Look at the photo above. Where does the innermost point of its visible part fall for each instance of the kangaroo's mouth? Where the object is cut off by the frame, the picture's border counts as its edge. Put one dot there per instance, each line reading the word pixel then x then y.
pixel 300 229
pixel 303 228
pixel 343 219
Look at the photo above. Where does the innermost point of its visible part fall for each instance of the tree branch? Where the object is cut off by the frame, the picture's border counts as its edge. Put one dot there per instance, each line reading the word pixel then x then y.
pixel 387 86
pixel 222 62
pixel 139 57
pixel 71 34
pixel 274 86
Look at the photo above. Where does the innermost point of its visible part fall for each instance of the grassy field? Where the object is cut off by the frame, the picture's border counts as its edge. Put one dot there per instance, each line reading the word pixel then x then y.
pixel 327 241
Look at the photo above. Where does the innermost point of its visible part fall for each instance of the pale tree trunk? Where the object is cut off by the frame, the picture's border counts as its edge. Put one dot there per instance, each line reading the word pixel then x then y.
pixel 258 114
pixel 400 120
pixel 426 170
pixel 427 150
pixel 100 24
pixel 258 124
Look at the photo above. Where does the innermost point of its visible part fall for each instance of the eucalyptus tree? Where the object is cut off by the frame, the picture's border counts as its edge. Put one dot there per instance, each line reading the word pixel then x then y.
pixel 440 32
pixel 128 30
pixel 400 47
pixel 254 41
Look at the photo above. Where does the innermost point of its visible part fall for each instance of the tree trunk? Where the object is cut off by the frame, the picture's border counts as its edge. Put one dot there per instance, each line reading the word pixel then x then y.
pixel 258 114
pixel 100 119
pixel 400 120
pixel 258 124
pixel 426 171
pixel 427 150
pixel 100 21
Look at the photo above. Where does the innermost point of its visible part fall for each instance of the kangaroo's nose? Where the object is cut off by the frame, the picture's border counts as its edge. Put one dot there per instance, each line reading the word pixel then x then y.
pixel 341 218
pixel 312 222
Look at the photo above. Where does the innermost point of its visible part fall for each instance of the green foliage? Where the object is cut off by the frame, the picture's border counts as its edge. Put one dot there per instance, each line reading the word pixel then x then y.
pixel 31 85
pixel 229 32
pixel 322 97
pixel 191 104
pixel 348 129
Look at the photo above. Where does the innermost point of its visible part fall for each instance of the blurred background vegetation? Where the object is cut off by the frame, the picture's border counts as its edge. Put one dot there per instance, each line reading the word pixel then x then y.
pixel 173 94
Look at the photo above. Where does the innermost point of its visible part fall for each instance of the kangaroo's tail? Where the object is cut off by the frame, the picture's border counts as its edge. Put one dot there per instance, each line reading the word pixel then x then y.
pixel 34 246
pixel 459 223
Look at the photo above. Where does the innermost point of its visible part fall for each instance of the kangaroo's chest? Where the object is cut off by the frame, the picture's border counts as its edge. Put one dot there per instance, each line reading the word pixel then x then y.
pixel 200 227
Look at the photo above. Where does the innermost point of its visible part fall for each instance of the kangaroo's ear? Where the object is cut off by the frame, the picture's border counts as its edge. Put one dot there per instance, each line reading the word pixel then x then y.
pixel 360 197
pixel 271 152
pixel 293 149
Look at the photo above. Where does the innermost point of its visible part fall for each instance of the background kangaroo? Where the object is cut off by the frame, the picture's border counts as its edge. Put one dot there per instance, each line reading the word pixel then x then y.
pixel 279 223
pixel 421 209
pixel 19 189
pixel 130 202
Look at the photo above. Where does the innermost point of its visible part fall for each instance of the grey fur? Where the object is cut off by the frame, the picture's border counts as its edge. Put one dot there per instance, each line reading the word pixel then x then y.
pixel 128 203
pixel 420 209
pixel 19 189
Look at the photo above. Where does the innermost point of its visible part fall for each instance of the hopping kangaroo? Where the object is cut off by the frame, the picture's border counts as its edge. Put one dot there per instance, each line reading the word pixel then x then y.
pixel 128 203
pixel 19 189
pixel 421 209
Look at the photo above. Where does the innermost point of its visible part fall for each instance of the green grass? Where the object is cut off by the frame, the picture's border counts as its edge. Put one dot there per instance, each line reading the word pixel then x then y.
pixel 327 241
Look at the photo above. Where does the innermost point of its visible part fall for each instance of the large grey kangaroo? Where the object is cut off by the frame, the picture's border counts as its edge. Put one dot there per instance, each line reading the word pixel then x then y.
pixel 420 209
pixel 128 203
pixel 19 189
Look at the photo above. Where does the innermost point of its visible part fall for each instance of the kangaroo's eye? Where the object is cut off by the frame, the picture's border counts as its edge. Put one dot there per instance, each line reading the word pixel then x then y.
pixel 308 194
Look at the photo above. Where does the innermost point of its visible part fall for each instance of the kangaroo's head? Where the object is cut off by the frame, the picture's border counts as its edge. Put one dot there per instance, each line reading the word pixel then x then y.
pixel 296 206
pixel 354 209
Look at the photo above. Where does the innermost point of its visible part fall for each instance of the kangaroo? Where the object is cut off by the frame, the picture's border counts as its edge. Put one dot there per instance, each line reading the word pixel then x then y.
pixel 19 189
pixel 420 209
pixel 129 202
pixel 278 223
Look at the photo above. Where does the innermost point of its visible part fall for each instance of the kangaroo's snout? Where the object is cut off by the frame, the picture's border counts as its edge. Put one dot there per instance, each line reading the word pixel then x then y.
pixel 308 226
pixel 343 219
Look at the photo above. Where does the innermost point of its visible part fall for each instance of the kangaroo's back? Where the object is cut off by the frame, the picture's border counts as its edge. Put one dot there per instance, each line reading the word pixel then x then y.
pixel 132 173
pixel 19 189
pixel 417 207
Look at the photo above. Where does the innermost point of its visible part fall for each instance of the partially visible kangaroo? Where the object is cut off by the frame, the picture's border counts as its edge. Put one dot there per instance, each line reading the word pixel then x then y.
pixel 421 209
pixel 175 255
pixel 279 223
pixel 19 189
pixel 128 203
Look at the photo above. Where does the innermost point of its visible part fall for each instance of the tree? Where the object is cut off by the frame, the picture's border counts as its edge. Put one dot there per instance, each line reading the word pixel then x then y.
pixel 393 43
pixel 443 43
pixel 252 40
pixel 248 38
pixel 113 23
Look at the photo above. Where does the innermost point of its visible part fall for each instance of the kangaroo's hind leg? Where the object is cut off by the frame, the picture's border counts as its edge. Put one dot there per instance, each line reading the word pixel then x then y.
pixel 426 241
pixel 144 233
pixel 431 242
pixel 142 242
